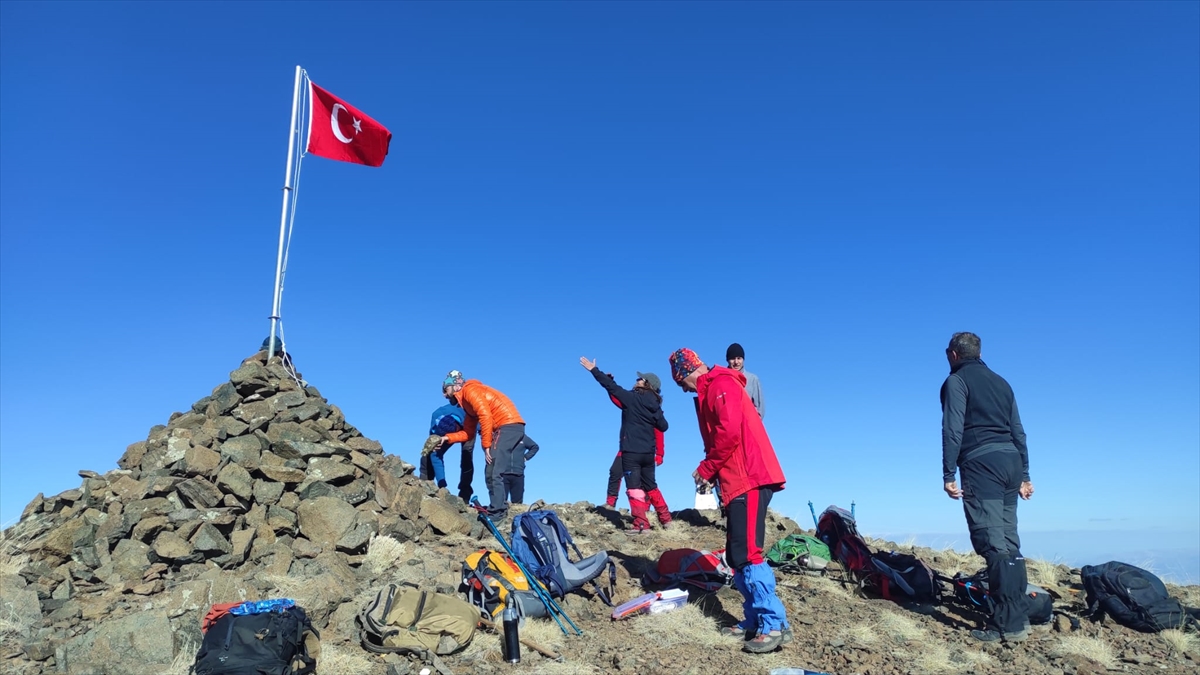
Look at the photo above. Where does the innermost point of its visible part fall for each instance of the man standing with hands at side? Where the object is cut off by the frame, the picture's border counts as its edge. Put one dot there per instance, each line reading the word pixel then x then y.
pixel 982 438
pixel 735 356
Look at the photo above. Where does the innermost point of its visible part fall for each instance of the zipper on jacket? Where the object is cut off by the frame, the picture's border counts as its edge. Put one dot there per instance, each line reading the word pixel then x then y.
pixel 229 635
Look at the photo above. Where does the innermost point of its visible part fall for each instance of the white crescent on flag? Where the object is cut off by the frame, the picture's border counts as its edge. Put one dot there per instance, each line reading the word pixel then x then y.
pixel 333 122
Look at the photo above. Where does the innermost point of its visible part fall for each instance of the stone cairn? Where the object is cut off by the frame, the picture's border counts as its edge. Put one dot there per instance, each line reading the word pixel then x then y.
pixel 259 481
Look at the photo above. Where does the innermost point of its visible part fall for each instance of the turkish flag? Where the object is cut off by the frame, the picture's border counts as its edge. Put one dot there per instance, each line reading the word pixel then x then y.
pixel 338 130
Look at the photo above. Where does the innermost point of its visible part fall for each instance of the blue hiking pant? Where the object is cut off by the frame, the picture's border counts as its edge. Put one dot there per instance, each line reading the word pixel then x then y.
pixel 745 520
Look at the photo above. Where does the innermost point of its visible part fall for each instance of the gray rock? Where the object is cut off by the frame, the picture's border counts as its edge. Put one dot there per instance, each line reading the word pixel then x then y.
pixel 199 492
pixel 318 489
pixel 281 402
pixel 177 447
pixel 240 543
pixel 130 560
pixel 64 538
pixel 170 546
pixel 225 398
pixel 280 519
pixel 250 372
pixel 356 540
pixel 133 645
pixel 267 492
pixel 20 604
pixel 330 470
pixel 282 474
pixel 200 461
pixel 365 445
pixel 325 520
pixel 444 518
pixel 245 451
pixel 308 411
pixel 209 540
pixel 304 450
pixel 159 485
pixel 187 421
pixel 236 480
pixel 255 413
pixel 231 427
pixel 149 527
pixel 133 455
pixel 357 492
pixel 151 506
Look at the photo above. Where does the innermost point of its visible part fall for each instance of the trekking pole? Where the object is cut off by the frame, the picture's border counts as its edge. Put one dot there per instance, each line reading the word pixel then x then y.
pixel 813 512
pixel 852 511
pixel 542 593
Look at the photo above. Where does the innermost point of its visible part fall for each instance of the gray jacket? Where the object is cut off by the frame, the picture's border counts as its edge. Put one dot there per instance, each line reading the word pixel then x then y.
pixel 754 389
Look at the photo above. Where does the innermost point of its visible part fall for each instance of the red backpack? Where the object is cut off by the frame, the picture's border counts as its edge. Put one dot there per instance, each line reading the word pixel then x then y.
pixel 705 570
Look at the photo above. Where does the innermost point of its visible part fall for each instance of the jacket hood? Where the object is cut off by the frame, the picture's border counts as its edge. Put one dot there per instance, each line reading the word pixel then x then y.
pixel 716 372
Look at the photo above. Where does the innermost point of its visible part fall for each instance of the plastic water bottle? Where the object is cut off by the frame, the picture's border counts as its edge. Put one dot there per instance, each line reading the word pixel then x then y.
pixel 794 671
pixel 512 638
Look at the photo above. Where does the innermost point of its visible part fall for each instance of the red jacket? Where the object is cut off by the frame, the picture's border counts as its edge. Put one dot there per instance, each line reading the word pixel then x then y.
pixel 737 451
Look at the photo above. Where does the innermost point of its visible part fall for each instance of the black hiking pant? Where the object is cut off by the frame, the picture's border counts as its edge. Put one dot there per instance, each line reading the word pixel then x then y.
pixel 991 478
pixel 614 476
pixel 638 469
pixel 506 472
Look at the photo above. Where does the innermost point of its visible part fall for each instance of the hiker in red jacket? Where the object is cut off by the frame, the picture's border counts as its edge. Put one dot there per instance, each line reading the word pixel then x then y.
pixel 738 456
pixel 616 471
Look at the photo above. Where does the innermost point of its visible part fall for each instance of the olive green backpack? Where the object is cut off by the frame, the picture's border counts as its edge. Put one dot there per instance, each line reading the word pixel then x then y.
pixel 799 553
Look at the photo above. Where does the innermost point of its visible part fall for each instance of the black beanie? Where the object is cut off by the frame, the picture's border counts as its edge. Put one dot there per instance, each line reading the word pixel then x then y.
pixel 735 350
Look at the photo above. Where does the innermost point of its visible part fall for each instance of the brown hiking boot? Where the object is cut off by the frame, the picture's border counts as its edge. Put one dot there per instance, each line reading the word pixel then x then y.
pixel 763 644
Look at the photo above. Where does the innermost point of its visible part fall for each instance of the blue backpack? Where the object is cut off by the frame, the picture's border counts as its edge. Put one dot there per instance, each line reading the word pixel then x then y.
pixel 540 542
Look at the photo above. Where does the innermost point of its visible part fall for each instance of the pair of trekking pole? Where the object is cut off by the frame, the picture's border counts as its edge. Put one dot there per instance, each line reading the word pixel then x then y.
pixel 542 594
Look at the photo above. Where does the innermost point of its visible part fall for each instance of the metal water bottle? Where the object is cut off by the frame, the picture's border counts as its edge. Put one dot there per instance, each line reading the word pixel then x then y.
pixel 512 637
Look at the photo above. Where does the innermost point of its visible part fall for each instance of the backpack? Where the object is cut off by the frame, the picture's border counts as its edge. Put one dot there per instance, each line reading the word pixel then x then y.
pixel 799 552
pixel 836 527
pixel 540 542
pixel 492 581
pixel 278 642
pixel 409 620
pixel 1133 597
pixel 972 591
pixel 907 574
pixel 705 570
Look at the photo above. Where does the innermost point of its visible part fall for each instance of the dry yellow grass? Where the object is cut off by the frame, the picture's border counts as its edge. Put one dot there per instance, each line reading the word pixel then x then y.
pixel 900 627
pixel 1180 642
pixel 1091 648
pixel 343 661
pixel 934 658
pixel 565 668
pixel 545 633
pixel 1188 595
pixel 182 664
pixel 283 586
pixel 1042 572
pixel 686 626
pixel 865 634
pixel 383 553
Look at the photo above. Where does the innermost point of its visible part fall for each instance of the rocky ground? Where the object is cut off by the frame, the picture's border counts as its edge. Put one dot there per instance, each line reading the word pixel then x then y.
pixel 262 489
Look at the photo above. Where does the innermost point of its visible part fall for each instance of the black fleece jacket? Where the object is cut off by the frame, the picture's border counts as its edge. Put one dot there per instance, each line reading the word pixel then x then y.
pixel 641 414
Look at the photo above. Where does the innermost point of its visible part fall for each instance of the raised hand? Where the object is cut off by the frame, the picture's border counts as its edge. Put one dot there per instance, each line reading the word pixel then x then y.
pixel 583 361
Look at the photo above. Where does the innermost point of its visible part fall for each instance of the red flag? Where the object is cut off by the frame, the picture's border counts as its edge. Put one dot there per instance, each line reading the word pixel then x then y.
pixel 338 130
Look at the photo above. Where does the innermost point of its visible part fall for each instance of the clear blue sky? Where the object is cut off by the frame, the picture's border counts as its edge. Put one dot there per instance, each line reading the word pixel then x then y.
pixel 838 187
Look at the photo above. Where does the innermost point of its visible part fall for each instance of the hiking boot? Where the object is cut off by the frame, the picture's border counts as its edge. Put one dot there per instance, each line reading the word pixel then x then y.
pixel 1021 636
pixel 735 631
pixel 638 530
pixel 988 635
pixel 763 644
pixel 787 636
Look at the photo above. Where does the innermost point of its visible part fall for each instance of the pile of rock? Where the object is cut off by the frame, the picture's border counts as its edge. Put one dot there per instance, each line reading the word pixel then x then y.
pixel 248 484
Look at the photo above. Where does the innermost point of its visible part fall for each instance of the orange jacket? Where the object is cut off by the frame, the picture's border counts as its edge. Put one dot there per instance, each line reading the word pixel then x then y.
pixel 485 407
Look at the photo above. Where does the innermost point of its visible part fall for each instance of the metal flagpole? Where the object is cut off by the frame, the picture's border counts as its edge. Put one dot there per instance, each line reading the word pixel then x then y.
pixel 283 217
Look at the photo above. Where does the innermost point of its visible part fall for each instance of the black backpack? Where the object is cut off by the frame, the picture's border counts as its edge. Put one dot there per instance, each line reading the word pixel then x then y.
pixel 271 643
pixel 1133 597
pixel 908 575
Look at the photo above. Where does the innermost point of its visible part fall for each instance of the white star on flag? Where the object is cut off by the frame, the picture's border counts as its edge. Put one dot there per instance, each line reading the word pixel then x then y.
pixel 357 127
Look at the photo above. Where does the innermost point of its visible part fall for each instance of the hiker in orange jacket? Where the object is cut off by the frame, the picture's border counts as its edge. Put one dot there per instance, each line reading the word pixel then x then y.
pixel 501 433
pixel 738 456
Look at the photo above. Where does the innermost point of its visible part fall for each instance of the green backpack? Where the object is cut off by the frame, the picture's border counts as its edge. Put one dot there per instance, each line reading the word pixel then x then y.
pixel 799 552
